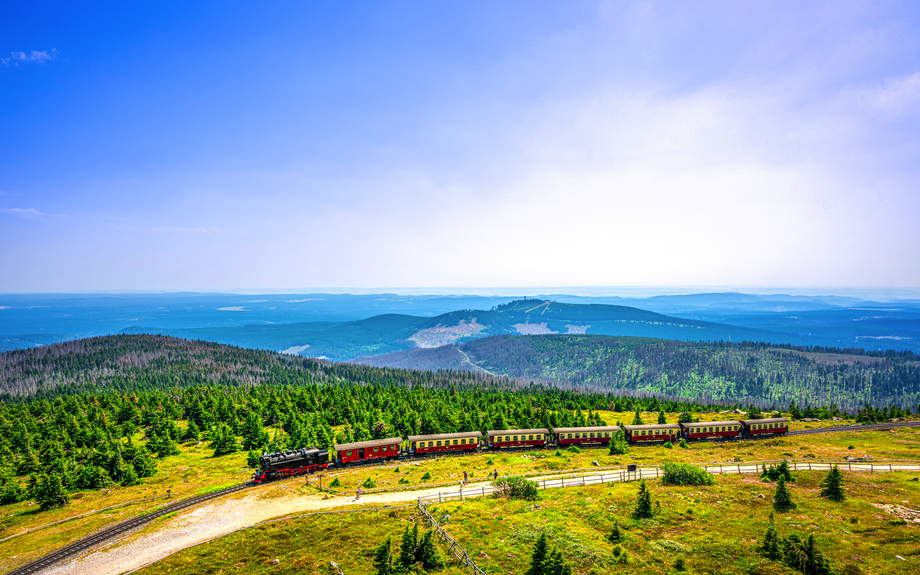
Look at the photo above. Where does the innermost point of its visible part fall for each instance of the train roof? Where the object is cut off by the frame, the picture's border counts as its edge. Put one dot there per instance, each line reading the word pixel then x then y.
pixel 458 435
pixel 771 420
pixel 492 432
pixel 365 444
pixel 652 426
pixel 580 429
pixel 708 423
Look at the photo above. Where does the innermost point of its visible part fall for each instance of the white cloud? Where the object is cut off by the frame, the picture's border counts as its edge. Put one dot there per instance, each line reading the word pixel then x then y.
pixel 34 57
pixel 28 213
pixel 896 96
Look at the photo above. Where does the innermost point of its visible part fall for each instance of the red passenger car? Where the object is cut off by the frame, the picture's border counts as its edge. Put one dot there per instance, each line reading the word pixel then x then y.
pixel 655 432
pixel 499 438
pixel 712 430
pixel 450 442
pixel 760 427
pixel 585 435
pixel 367 450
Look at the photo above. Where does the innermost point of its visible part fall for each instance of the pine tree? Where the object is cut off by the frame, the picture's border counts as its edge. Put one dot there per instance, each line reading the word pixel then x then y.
pixel 782 501
pixel 832 485
pixel 252 459
pixel 771 543
pixel 431 557
pixel 382 558
pixel 408 548
pixel 130 477
pixel 615 535
pixel 661 418
pixel 50 492
pixel 637 420
pixel 540 553
pixel 643 502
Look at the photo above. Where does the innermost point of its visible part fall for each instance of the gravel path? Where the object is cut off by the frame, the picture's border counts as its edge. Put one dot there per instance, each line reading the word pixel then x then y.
pixel 212 520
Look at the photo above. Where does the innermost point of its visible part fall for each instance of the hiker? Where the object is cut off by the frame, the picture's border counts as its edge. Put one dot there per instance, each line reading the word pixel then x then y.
pixel 495 473
pixel 465 478
pixel 358 493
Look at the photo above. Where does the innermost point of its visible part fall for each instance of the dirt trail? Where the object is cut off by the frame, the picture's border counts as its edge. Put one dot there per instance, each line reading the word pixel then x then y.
pixel 219 518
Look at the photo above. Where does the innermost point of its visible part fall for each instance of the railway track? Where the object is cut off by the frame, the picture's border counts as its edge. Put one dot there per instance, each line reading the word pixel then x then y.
pixel 133 523
pixel 115 530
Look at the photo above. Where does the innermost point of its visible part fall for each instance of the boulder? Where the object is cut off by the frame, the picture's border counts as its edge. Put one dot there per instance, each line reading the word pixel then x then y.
pixel 595 463
pixel 275 561
pixel 334 567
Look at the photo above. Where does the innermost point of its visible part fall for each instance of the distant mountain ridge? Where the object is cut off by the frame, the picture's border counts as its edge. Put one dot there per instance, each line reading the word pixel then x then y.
pixel 307 318
pixel 342 341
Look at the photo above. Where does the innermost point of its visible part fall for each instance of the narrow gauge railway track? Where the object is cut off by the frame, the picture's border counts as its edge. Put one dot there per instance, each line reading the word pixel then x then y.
pixel 117 529
pixel 869 427
pixel 134 523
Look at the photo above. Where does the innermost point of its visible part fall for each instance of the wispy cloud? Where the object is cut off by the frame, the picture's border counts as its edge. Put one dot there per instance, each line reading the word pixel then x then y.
pixel 195 230
pixel 34 57
pixel 28 213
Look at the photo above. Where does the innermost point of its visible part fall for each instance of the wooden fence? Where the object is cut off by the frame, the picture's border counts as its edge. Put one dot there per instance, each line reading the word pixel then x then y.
pixel 451 543
pixel 656 472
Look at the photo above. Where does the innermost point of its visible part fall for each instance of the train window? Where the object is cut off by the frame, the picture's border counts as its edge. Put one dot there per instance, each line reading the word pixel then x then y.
pixel 462 442
pixel 348 454
pixel 514 438
pixel 590 435
pixel 439 444
pixel 376 449
pixel 530 437
pixel 455 442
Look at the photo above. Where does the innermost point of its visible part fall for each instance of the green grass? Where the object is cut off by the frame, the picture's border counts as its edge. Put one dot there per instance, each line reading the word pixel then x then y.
pixel 713 528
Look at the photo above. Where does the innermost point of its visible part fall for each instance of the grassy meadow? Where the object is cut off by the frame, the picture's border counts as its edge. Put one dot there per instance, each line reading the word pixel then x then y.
pixel 195 470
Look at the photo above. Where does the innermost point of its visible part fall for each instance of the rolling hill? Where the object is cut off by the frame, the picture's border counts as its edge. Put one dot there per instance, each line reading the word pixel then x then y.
pixel 342 341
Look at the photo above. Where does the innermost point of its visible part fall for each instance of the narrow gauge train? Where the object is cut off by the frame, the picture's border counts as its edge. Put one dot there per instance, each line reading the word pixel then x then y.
pixel 310 459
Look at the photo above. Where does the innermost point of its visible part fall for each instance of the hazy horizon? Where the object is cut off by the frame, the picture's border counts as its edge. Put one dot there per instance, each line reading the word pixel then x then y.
pixel 595 143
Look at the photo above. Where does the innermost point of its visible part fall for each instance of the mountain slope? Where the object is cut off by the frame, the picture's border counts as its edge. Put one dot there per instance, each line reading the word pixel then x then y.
pixel 342 341
pixel 762 374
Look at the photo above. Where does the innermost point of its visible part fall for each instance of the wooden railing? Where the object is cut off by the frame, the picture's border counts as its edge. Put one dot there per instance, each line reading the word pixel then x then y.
pixel 451 543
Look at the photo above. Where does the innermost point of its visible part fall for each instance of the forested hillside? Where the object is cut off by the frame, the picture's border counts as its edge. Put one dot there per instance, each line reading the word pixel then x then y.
pixel 84 414
pixel 762 374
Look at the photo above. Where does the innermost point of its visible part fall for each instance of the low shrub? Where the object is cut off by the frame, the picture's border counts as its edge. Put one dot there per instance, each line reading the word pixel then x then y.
pixel 369 483
pixel 516 488
pixel 573 449
pixel 335 483
pixel 426 477
pixel 685 474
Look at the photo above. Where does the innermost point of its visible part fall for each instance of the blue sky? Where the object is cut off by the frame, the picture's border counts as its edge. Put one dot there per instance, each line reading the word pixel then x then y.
pixel 229 145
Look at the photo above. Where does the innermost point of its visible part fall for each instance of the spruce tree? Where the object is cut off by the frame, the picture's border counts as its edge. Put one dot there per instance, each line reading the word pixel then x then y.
pixel 832 485
pixel 643 502
pixel 782 501
pixel 431 557
pixel 382 558
pixel 615 535
pixel 637 420
pixel 661 418
pixel 408 548
pixel 50 492
pixel 540 553
pixel 771 543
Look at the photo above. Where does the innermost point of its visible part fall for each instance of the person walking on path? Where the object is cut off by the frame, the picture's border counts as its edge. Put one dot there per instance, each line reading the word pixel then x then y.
pixel 358 493
pixel 495 473
pixel 465 478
